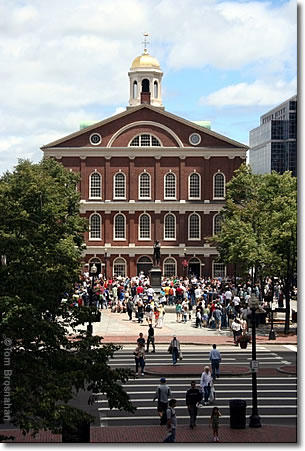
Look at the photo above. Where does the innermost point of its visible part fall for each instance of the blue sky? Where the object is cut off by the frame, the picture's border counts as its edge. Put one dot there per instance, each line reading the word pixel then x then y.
pixel 66 61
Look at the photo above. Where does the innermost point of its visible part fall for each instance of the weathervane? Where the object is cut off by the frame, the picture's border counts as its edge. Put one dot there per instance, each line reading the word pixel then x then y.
pixel 145 42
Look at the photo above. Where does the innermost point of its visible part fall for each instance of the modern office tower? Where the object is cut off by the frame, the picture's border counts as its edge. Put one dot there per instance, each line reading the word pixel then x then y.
pixel 273 145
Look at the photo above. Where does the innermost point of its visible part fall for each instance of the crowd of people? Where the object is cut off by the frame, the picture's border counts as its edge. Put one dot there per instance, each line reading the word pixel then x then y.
pixel 201 302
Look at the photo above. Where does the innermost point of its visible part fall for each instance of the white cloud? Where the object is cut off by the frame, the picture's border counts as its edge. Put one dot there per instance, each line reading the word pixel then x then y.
pixel 257 93
pixel 67 61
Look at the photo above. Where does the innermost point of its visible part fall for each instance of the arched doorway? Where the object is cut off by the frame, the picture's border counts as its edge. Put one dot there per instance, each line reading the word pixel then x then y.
pixel 194 267
pixel 144 264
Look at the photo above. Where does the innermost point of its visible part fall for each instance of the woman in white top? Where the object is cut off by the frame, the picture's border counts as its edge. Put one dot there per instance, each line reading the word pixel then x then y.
pixel 205 383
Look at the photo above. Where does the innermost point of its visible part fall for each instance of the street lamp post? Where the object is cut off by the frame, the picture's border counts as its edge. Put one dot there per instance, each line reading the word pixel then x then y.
pixel 185 264
pixel 93 271
pixel 106 262
pixel 255 421
pixel 272 335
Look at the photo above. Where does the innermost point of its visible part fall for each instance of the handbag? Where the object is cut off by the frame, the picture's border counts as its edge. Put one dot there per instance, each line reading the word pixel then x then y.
pixel 180 355
pixel 170 348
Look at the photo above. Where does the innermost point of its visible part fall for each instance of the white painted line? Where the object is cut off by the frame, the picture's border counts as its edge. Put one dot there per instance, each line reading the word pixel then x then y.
pixel 186 417
pixel 291 347
pixel 105 401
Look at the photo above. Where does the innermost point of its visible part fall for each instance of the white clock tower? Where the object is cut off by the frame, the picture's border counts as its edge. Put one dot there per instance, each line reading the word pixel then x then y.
pixel 145 78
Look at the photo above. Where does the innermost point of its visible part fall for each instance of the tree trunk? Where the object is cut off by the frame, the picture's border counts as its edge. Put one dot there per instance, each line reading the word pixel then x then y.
pixel 287 313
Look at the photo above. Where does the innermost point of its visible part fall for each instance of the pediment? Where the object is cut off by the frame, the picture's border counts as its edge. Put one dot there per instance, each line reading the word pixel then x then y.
pixel 150 117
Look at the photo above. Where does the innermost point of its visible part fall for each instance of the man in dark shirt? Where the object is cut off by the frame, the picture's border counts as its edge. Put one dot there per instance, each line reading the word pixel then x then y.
pixel 141 340
pixel 151 338
pixel 193 397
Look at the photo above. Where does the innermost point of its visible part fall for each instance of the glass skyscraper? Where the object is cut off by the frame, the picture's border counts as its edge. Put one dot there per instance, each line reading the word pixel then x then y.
pixel 273 145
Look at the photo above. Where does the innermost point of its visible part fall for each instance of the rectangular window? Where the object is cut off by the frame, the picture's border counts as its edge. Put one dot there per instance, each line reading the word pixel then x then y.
pixel 219 270
pixel 145 140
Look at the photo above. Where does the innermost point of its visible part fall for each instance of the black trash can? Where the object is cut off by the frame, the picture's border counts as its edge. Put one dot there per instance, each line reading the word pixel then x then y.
pixel 294 316
pixel 238 413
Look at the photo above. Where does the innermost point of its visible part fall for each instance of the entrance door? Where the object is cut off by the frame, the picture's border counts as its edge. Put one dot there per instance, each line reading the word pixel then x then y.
pixel 144 265
pixel 194 268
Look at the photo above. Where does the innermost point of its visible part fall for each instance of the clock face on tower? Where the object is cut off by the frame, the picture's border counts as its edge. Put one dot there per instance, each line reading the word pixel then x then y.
pixel 195 139
pixel 95 139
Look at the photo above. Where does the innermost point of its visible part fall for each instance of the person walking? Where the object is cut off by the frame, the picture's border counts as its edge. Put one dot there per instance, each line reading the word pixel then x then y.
pixel 139 354
pixel 171 422
pixel 163 393
pixel 151 338
pixel 214 420
pixel 130 307
pixel 236 329
pixel 174 349
pixel 215 358
pixel 205 383
pixel 193 398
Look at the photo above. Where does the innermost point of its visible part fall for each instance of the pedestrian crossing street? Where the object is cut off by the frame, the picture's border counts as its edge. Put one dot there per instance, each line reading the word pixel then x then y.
pixel 277 396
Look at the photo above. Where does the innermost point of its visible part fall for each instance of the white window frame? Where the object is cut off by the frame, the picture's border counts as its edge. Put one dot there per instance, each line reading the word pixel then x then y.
pixel 114 185
pixel 156 89
pixel 115 262
pixel 189 187
pixel 164 180
pixel 189 227
pixel 213 269
pixel 141 145
pixel 214 219
pixel 175 227
pixel 139 228
pixel 90 183
pixel 224 185
pixel 174 261
pixel 139 186
pixel 90 219
pixel 114 227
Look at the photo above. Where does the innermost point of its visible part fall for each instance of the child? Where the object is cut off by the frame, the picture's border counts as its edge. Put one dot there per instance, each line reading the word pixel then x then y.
pixel 215 422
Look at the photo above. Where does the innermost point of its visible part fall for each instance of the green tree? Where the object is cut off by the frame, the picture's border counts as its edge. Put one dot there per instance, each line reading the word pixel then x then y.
pixel 259 223
pixel 41 239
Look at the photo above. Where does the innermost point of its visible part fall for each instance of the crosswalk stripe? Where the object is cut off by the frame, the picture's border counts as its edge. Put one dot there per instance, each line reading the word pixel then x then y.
pixel 104 401
pixel 185 417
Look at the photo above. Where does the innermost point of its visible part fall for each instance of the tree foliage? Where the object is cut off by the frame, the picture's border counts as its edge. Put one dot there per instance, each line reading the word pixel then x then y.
pixel 259 225
pixel 41 239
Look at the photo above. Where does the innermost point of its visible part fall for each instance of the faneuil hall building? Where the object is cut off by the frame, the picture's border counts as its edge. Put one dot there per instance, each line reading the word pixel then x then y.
pixel 147 175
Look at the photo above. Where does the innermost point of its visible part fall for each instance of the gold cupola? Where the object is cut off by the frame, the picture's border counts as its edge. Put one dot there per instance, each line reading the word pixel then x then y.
pixel 145 78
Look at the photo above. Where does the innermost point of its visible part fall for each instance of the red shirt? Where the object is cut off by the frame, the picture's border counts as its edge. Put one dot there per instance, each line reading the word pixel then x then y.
pixel 140 289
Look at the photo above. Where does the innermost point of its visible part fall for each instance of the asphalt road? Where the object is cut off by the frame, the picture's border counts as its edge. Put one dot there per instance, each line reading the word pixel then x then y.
pixel 277 395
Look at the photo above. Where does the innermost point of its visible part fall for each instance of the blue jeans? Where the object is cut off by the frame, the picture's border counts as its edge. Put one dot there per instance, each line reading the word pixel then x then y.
pixel 207 391
pixel 175 354
pixel 215 368
pixel 171 437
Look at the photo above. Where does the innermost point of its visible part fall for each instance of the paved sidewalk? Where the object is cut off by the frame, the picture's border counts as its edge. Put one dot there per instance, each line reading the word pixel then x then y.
pixel 156 434
pixel 116 328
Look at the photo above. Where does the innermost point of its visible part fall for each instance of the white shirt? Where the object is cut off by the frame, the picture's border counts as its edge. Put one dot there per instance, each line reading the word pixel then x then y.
pixel 236 300
pixel 228 295
pixel 206 379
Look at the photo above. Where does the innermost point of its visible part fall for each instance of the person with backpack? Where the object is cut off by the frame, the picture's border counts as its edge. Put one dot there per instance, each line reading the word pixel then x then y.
pixel 163 393
pixel 171 422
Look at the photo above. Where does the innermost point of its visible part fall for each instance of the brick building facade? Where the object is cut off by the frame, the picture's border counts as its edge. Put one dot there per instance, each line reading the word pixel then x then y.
pixel 148 175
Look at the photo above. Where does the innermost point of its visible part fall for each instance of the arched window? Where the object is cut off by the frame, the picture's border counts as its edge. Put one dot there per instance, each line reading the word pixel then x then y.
pixel 219 186
pixel 170 186
pixel 155 89
pixel 119 227
pixel 119 267
pixel 119 186
pixel 145 85
pixel 95 185
pixel 144 186
pixel 170 227
pixel 169 267
pixel 218 270
pixel 217 224
pixel 144 227
pixel 194 227
pixel 95 232
pixel 145 140
pixel 135 90
pixel 194 186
